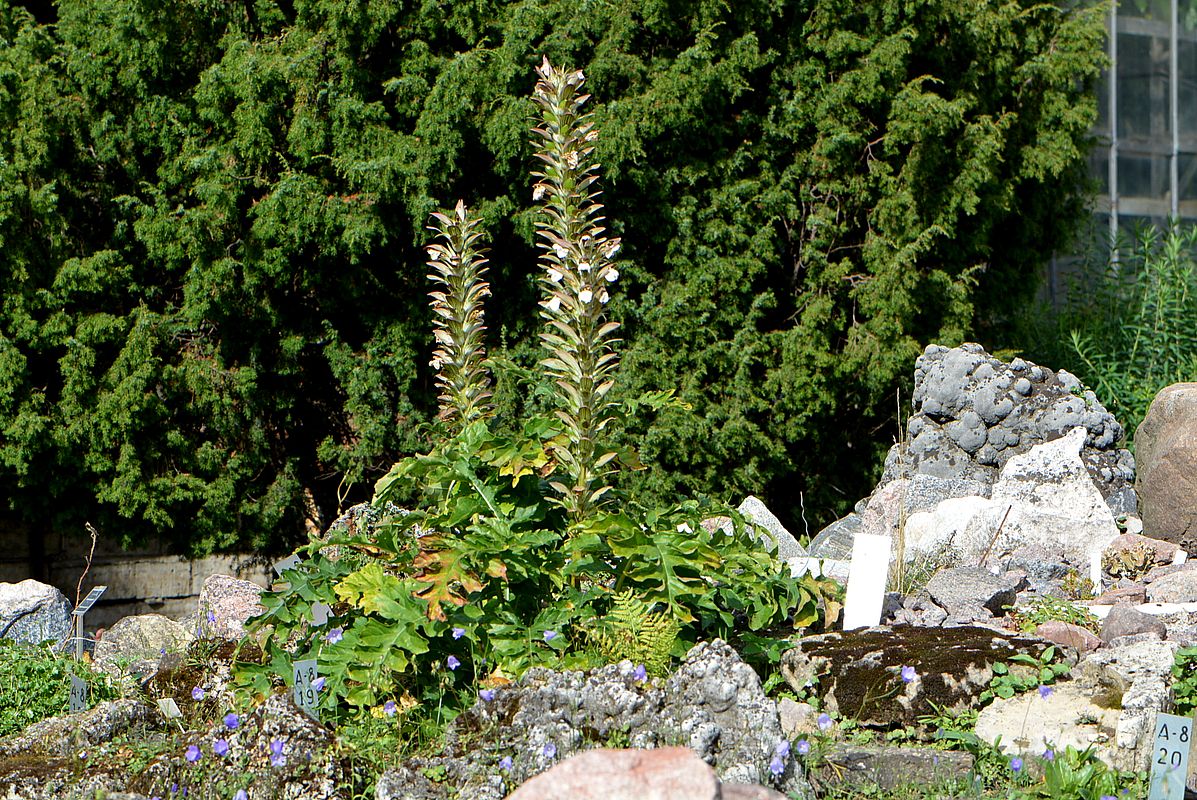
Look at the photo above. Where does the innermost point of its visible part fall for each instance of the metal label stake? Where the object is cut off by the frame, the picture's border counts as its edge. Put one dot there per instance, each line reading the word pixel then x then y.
pixel 78 613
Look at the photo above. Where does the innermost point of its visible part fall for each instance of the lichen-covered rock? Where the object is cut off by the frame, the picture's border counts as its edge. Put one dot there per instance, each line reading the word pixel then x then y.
pixel 973 413
pixel 886 677
pixel 34 612
pixel 1166 443
pixel 61 737
pixel 713 703
pixel 277 749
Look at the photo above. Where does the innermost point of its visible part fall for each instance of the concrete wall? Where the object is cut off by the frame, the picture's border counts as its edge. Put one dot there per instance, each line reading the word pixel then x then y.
pixel 139 582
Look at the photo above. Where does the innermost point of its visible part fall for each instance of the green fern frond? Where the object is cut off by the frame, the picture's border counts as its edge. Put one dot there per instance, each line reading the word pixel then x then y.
pixel 632 630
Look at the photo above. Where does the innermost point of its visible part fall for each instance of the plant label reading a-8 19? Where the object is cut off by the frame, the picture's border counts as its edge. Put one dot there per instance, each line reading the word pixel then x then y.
pixel 306 695
pixel 78 699
pixel 1170 757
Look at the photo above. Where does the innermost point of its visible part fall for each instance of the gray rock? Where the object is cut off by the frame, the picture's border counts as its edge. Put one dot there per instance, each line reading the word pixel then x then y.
pixel 786 545
pixel 34 612
pixel 146 637
pixel 835 541
pixel 888 767
pixel 1075 714
pixel 920 611
pixel 1179 587
pixel 61 737
pixel 972 592
pixel 1136 678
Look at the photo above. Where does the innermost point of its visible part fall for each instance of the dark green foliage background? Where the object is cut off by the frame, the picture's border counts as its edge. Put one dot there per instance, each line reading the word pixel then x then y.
pixel 212 213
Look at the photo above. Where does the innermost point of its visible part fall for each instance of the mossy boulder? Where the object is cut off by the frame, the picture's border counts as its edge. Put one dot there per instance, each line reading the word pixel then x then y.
pixel 887 677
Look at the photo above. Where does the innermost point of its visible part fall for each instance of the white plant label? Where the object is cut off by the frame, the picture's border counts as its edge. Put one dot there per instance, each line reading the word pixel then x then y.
pixel 1170 756
pixel 169 708
pixel 866 580
pixel 320 614
pixel 78 698
pixel 306 696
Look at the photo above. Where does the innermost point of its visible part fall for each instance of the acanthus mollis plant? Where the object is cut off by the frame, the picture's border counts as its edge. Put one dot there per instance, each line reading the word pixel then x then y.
pixel 509 551
pixel 577 272
pixel 459 359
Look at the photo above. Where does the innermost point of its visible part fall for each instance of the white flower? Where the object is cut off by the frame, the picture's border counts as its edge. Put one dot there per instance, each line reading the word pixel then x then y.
pixel 538 192
pixel 583 266
pixel 611 248
pixel 612 275
pixel 555 275
pixel 554 303
pixel 571 158
pixel 684 528
pixel 560 250
pixel 604 297
pixel 585 295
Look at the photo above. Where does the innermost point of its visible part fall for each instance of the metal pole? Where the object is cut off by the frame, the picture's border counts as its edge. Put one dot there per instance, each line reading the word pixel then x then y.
pixel 1174 109
pixel 1112 93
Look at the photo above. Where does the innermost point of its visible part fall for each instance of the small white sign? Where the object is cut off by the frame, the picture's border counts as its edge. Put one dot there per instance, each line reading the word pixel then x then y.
pixel 320 614
pixel 290 562
pixel 866 580
pixel 78 699
pixel 169 708
pixel 1170 757
pixel 306 696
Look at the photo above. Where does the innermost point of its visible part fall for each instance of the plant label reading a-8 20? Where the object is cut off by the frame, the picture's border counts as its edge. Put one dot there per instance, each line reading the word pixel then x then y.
pixel 1170 757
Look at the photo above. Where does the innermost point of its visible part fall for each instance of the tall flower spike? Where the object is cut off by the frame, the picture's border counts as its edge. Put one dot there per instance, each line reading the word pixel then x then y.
pixel 576 257
pixel 457 269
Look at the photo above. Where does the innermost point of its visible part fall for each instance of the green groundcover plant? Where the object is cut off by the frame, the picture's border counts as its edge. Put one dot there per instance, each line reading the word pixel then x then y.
pixel 35 683
pixel 517 545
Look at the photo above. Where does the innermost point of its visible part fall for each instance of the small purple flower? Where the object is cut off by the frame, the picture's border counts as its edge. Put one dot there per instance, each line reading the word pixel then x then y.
pixel 452 663
pixel 231 720
pixel 192 754
pixel 640 673
pixel 220 747
pixel 241 795
pixel 389 708
pixel 318 684
pixel 908 674
pixel 1049 755
pixel 505 763
pixel 1110 796
pixel 197 694
pixel 211 615
pixel 550 635
pixel 487 695
pixel 824 722
pixel 276 753
pixel 334 636
pixel 550 750
pixel 777 766
pixel 782 750
pixel 458 633
pixel 1045 692
pixel 1016 764
pixel 803 747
